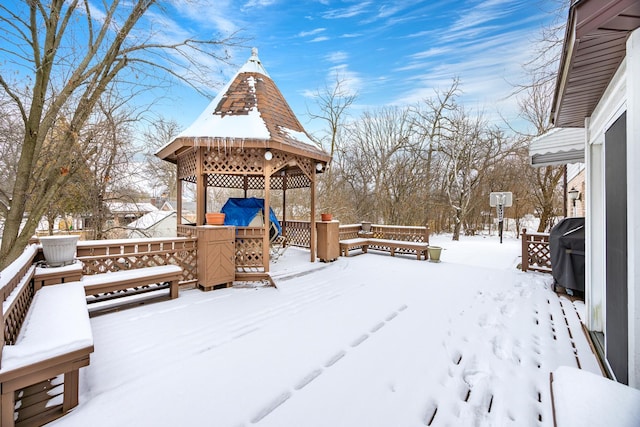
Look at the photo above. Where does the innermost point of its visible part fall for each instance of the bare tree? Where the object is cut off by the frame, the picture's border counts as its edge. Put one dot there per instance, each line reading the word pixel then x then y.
pixel 508 175
pixel 535 97
pixel 547 49
pixel 107 138
pixel 63 56
pixel 334 102
pixel 535 108
pixel 469 152
pixel 431 120
pixel 10 131
pixel 103 170
pixel 379 143
pixel 161 174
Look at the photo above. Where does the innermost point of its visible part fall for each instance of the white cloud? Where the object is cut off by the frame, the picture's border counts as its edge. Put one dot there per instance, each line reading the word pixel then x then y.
pixel 258 3
pixel 486 67
pixel 386 11
pixel 319 39
pixel 207 16
pixel 350 80
pixel 308 93
pixel 348 12
pixel 338 56
pixel 483 12
pixel 311 33
pixel 485 55
pixel 434 51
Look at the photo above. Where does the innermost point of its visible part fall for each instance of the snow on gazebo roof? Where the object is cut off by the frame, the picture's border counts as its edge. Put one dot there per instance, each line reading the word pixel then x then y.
pixel 249 111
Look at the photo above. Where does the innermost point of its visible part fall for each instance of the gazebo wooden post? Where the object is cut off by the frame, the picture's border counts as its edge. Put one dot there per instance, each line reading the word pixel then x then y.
pixel 284 203
pixel 245 185
pixel 267 219
pixel 201 189
pixel 313 215
pixel 179 200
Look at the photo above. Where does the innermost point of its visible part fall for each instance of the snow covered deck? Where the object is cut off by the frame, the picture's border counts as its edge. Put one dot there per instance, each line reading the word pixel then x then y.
pixel 363 341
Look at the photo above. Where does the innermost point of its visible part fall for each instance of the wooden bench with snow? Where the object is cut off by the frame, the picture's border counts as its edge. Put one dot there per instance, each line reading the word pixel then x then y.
pixel 378 240
pixel 47 338
pixel 421 249
pixel 110 285
pixel 357 242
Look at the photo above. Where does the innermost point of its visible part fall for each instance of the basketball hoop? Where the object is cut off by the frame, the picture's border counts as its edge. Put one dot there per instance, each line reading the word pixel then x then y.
pixel 500 200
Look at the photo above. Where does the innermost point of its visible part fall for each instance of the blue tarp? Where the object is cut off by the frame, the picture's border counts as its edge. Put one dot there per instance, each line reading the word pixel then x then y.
pixel 240 212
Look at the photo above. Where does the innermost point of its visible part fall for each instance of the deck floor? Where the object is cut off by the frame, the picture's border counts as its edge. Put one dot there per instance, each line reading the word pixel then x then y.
pixel 367 340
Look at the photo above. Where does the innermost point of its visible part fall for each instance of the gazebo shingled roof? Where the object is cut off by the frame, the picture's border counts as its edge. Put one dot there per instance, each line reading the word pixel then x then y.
pixel 251 112
pixel 248 137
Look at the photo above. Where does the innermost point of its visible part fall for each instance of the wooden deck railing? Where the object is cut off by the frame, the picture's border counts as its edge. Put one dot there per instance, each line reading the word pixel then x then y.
pixel 298 233
pixel 349 231
pixel 402 233
pixel 99 256
pixel 249 249
pixel 536 254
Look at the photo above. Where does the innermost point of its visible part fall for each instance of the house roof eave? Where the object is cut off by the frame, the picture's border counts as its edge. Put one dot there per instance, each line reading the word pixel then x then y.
pixel 595 37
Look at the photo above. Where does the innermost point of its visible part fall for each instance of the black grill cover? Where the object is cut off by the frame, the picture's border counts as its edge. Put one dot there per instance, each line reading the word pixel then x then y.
pixel 566 243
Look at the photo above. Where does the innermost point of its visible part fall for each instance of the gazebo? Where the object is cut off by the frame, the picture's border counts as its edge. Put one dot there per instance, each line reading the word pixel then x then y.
pixel 248 138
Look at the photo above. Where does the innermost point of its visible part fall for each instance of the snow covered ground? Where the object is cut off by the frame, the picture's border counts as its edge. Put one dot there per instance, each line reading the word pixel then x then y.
pixel 369 340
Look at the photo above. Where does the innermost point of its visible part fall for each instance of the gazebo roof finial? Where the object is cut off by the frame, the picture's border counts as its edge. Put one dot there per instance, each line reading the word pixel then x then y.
pixel 253 65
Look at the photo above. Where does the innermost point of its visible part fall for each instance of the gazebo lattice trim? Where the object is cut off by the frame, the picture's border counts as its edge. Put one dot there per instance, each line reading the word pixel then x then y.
pixel 282 159
pixel 293 181
pixel 225 181
pixel 244 168
pixel 239 161
pixel 257 182
pixel 187 166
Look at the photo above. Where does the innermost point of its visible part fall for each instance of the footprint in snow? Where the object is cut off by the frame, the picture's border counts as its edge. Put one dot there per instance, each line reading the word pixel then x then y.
pixel 271 406
pixel 456 357
pixel 335 358
pixel 508 310
pixel 502 348
pixel 488 321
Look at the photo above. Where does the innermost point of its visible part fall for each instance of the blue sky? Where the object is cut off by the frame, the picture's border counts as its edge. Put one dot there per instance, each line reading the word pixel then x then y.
pixel 391 52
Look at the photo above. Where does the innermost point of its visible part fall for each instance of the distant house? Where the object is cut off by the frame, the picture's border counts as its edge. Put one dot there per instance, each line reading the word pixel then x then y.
pixel 597 96
pixel 576 175
pixel 158 223
pixel 124 213
pixel 168 206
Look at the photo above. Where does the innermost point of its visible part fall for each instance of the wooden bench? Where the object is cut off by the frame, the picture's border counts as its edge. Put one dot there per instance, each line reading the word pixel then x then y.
pixel 47 338
pixel 421 249
pixel 348 244
pixel 105 286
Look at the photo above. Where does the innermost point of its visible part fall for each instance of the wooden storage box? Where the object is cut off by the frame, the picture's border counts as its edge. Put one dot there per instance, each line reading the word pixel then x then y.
pixel 216 256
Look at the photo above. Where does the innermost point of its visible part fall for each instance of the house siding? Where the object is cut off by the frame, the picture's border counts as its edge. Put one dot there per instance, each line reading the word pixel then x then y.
pixel 621 96
pixel 633 205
